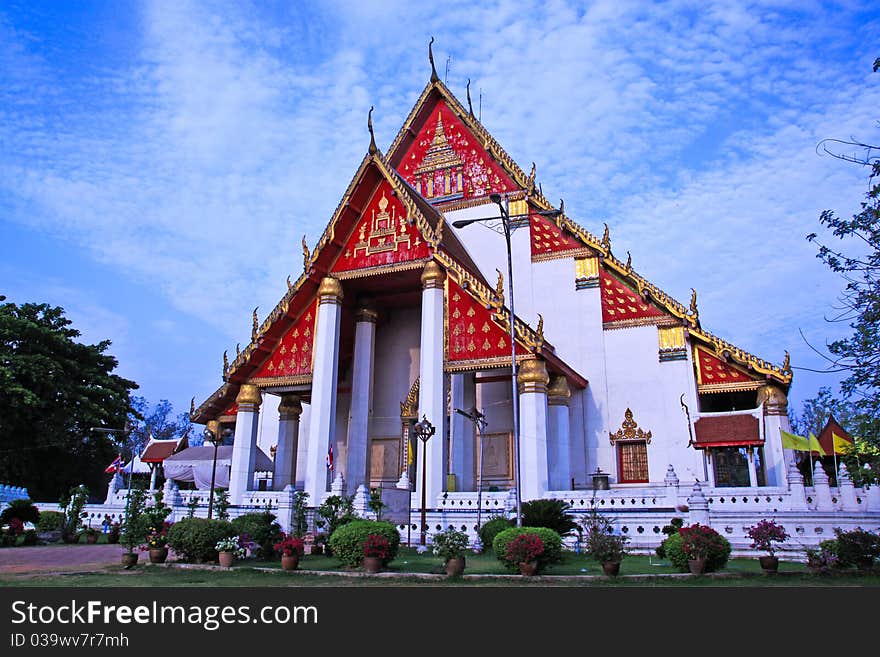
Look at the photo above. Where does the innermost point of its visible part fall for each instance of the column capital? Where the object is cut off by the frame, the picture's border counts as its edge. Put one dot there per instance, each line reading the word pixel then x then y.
pixel 532 376
pixel 330 290
pixel 558 393
pixel 774 400
pixel 214 427
pixel 366 312
pixel 433 276
pixel 290 407
pixel 249 398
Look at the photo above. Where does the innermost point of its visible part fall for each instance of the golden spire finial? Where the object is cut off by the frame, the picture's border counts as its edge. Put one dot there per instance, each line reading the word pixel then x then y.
pixel 629 262
pixel 561 207
pixel 786 364
pixel 499 287
pixel 289 284
pixel 530 182
pixel 540 329
pixel 694 311
pixel 434 76
pixel 306 255
pixel 255 325
pixel 225 364
pixel 373 148
pixel 470 105
pixel 606 239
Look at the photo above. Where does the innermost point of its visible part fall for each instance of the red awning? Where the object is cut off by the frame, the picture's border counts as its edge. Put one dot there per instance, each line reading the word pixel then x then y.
pixel 157 451
pixel 727 431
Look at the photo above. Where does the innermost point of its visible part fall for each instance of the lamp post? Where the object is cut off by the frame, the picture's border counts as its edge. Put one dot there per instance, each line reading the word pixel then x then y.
pixel 424 430
pixel 501 202
pixel 215 439
pixel 479 420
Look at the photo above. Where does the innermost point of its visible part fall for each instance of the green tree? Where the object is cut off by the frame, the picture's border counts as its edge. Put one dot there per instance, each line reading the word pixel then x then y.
pixel 53 389
pixel 157 420
pixel 816 411
pixel 856 257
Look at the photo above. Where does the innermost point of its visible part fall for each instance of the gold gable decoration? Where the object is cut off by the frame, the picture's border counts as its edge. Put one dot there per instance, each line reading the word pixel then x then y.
pixel 629 430
pixel 409 408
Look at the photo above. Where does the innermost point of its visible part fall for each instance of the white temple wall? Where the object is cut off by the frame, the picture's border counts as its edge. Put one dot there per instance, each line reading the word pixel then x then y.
pixel 302 448
pixel 267 434
pixel 396 367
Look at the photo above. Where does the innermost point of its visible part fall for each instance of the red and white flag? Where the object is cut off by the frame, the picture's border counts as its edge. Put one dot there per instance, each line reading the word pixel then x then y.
pixel 116 466
pixel 329 458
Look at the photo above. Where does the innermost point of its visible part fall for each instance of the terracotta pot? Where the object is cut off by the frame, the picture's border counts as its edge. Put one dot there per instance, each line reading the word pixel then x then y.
pixel 226 559
pixel 455 566
pixel 770 565
pixel 611 568
pixel 158 555
pixel 528 568
pixel 373 565
pixel 91 538
pixel 290 562
pixel 129 559
pixel 697 566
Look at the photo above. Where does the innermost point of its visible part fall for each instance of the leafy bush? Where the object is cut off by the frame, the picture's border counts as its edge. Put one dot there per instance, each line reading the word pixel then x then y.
pixel 377 546
pixel 552 544
pixel 336 511
pixel 72 504
pixel 765 533
pixel 857 547
pixel 524 548
pixel 155 515
pixel 491 529
pixel 348 540
pixel 262 530
pixel 552 514
pixel 50 521
pixel 449 544
pixel 194 539
pixel 134 529
pixel 24 510
pixel 697 539
pixel 669 530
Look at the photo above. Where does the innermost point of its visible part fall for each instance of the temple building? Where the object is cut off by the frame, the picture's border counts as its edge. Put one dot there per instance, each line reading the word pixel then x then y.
pixel 623 396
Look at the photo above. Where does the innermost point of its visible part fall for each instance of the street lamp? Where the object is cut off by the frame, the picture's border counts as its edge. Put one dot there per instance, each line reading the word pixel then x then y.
pixel 424 430
pixel 479 420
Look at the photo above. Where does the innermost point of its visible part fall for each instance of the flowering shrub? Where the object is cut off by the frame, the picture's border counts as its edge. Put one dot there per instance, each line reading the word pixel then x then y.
pixel 523 549
pixel 698 541
pixel 450 543
pixel 551 541
pixel 290 545
pixel 348 541
pixel 764 534
pixel 231 544
pixel 158 538
pixel 377 546
pixel 822 558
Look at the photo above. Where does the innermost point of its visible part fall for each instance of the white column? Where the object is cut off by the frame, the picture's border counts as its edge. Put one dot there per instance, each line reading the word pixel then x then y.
pixel 325 374
pixel 463 394
pixel 753 472
pixel 533 379
pixel 154 475
pixel 356 472
pixel 289 411
pixel 432 396
pixel 775 418
pixel 559 448
pixel 244 449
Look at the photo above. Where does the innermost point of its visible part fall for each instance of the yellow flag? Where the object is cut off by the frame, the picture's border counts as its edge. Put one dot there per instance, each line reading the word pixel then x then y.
pixel 840 443
pixel 815 446
pixel 409 454
pixel 797 443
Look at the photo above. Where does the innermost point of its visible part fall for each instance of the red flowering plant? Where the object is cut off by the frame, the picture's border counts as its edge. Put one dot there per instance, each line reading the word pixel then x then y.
pixel 157 538
pixel 377 546
pixel 290 546
pixel 764 534
pixel 698 540
pixel 524 549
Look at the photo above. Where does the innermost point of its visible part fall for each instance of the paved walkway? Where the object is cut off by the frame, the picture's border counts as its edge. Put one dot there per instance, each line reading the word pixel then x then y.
pixel 58 558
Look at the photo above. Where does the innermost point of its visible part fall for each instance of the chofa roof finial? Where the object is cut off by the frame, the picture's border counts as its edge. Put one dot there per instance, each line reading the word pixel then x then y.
pixel 434 76
pixel 373 148
pixel 470 105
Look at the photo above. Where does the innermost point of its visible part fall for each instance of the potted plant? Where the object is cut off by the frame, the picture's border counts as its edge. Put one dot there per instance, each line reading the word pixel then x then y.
pixel 763 535
pixel 822 559
pixel 603 545
pixel 291 548
pixel 133 531
pixel 523 552
pixel 376 551
pixel 450 546
pixel 228 549
pixel 89 533
pixel 697 541
pixel 859 547
pixel 157 543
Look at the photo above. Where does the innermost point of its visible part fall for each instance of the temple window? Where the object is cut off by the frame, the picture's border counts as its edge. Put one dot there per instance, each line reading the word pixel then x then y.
pixel 731 466
pixel 633 462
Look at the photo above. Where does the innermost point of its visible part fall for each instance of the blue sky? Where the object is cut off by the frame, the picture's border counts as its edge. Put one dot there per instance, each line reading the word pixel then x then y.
pixel 160 161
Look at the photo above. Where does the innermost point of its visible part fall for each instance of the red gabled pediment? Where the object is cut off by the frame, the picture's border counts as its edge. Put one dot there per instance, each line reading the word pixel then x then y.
pixel 549 241
pixel 472 332
pixel 446 162
pixel 382 235
pixel 292 356
pixel 713 371
pixel 622 305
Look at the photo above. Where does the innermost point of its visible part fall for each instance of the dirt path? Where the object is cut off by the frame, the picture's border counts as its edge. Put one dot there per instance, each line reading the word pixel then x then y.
pixel 58 558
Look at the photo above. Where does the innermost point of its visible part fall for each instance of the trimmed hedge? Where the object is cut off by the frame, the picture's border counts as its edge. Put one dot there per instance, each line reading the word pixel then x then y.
pixel 491 529
pixel 552 544
pixel 348 540
pixel 193 539
pixel 716 559
pixel 262 529
pixel 50 521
